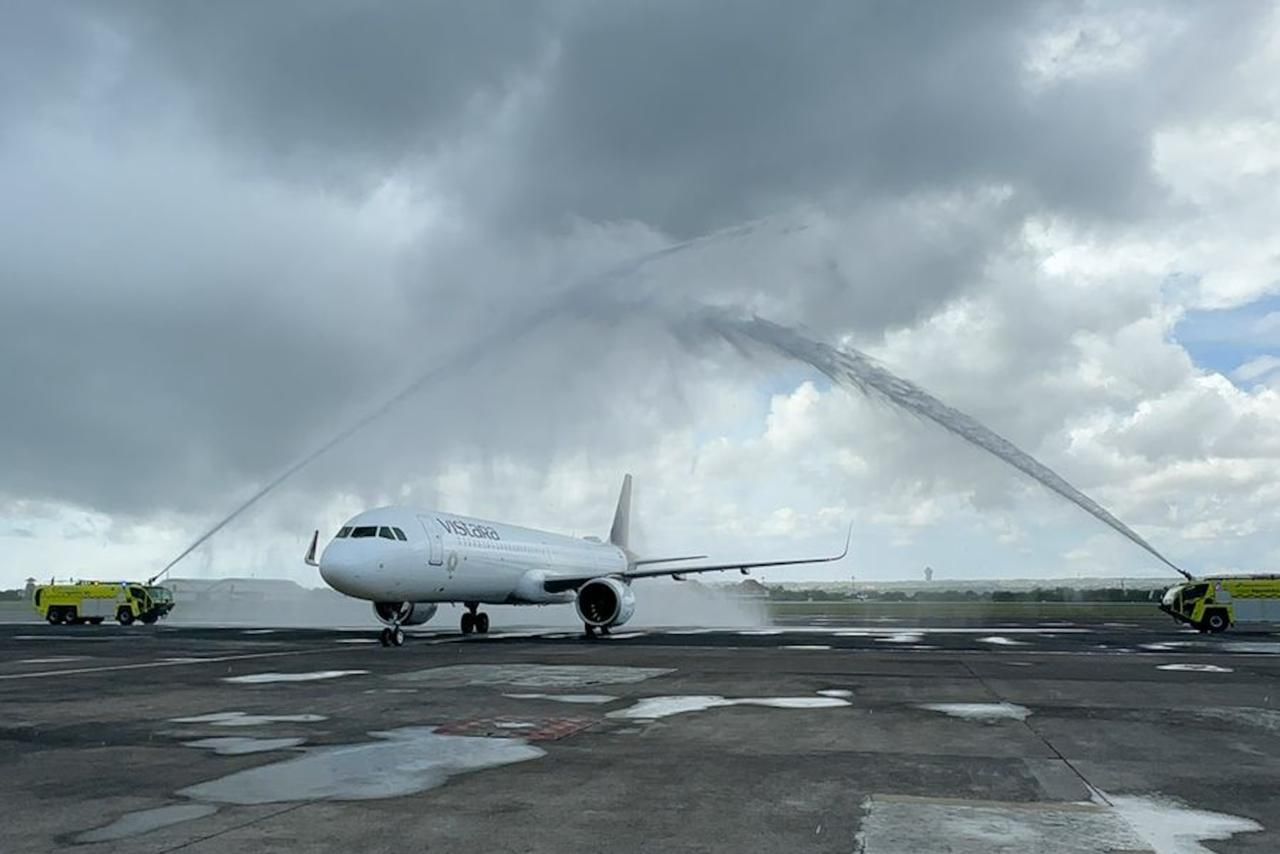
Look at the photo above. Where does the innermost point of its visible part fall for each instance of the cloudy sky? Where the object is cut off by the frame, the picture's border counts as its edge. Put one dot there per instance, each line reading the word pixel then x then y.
pixel 229 230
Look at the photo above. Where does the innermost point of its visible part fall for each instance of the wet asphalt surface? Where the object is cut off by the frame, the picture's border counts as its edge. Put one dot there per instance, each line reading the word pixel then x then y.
pixel 813 737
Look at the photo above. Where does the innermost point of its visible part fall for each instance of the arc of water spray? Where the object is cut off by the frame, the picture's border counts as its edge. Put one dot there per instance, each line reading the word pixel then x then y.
pixel 516 328
pixel 851 368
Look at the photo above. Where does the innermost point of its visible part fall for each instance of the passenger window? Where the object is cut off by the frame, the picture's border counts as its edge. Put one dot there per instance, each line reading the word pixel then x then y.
pixel 363 531
pixel 385 533
pixel 400 535
pixel 343 533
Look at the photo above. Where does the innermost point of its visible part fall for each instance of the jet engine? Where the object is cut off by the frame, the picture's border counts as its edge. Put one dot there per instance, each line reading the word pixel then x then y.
pixel 605 602
pixel 404 613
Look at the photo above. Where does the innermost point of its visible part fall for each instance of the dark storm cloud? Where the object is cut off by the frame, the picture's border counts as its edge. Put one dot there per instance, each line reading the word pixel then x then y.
pixel 686 116
pixel 349 90
pixel 184 323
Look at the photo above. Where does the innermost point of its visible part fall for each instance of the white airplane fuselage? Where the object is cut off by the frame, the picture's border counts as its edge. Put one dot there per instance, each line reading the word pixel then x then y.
pixel 446 557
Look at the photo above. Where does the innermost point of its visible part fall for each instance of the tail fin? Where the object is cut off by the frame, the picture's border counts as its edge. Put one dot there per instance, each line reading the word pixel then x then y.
pixel 620 532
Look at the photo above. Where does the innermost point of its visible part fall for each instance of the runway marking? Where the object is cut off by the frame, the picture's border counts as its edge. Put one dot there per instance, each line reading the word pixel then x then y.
pixel 997 640
pixel 805 646
pixel 144 665
pixel 1196 668
pixel 245 719
pixel 530 675
pixel 566 698
pixel 265 678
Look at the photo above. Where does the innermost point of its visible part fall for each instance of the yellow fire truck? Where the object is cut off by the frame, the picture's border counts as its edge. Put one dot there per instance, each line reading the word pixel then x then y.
pixel 1217 603
pixel 94 601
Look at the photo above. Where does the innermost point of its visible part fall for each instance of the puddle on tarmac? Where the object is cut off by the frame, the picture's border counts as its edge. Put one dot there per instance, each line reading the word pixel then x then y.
pixel 1171 828
pixel 752 632
pixel 567 698
pixel 895 824
pixel 315 675
pixel 232 745
pixel 805 646
pixel 1195 668
pixel 835 692
pixel 244 719
pixel 401 761
pixel 980 711
pixel 258 632
pixel 530 675
pixel 653 708
pixel 145 821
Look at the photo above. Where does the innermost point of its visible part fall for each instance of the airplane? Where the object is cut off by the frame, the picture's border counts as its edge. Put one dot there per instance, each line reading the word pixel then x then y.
pixel 408 561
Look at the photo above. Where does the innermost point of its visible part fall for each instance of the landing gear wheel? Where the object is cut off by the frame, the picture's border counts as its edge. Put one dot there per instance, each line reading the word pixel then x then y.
pixel 588 631
pixel 384 637
pixel 124 616
pixel 604 630
pixel 397 636
pixel 482 623
pixel 468 623
pixel 1216 621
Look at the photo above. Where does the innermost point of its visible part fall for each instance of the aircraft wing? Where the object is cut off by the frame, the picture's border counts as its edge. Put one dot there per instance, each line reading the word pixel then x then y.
pixel 561 583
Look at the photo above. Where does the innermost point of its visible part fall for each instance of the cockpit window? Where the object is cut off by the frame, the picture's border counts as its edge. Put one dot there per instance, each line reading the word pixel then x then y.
pixel 363 531
pixel 400 535
pixel 385 533
pixel 344 533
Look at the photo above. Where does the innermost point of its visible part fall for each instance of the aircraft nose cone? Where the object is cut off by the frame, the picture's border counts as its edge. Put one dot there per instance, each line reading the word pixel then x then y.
pixel 338 571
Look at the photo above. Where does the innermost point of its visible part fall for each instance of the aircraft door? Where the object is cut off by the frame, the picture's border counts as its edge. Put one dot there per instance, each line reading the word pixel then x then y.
pixel 435 555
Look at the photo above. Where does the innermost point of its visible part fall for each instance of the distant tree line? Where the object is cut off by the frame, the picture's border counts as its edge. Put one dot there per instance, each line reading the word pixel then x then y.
pixel 1034 594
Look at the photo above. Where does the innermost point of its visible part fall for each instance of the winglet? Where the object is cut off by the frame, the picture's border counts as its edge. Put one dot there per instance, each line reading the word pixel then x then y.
pixel 311 550
pixel 619 533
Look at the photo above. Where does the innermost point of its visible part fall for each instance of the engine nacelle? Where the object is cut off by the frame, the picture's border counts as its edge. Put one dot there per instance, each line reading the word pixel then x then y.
pixel 404 613
pixel 605 602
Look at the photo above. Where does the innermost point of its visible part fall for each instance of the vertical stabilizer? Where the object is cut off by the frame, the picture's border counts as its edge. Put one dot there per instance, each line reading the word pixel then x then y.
pixel 620 531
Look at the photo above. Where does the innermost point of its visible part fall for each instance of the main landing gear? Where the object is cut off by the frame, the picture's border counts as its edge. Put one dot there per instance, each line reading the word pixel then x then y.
pixel 393 636
pixel 474 621
pixel 589 631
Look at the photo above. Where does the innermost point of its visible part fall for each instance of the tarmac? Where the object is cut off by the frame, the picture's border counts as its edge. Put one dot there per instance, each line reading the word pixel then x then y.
pixel 842 736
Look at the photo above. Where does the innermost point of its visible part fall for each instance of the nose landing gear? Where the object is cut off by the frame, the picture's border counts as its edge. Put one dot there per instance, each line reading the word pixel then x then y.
pixel 474 621
pixel 392 637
